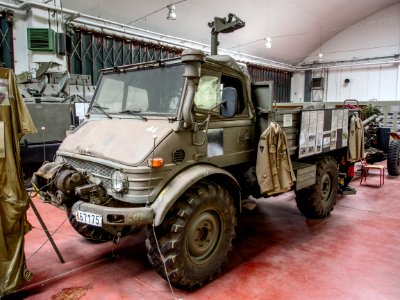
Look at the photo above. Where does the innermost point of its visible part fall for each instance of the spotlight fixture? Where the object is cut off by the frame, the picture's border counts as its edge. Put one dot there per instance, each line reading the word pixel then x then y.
pixel 268 43
pixel 320 55
pixel 171 12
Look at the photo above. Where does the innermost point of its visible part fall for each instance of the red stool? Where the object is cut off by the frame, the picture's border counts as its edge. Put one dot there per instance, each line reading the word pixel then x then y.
pixel 365 171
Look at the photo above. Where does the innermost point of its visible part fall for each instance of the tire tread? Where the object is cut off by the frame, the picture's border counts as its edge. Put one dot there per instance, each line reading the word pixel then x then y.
pixel 170 236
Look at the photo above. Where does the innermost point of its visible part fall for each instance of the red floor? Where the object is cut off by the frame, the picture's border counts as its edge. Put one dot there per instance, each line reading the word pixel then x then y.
pixel 353 254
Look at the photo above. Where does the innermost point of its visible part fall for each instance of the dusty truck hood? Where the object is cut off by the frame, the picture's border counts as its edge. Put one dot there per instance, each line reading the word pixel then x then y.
pixel 127 141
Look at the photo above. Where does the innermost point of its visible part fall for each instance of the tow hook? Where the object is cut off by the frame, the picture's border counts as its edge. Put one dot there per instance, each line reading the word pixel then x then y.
pixel 115 242
pixel 117 238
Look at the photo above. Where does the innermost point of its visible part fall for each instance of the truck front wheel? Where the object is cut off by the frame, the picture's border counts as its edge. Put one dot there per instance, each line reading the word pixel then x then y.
pixel 318 200
pixel 195 237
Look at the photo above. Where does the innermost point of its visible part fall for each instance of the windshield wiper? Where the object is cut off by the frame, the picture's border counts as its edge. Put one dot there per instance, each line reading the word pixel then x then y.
pixel 102 109
pixel 133 112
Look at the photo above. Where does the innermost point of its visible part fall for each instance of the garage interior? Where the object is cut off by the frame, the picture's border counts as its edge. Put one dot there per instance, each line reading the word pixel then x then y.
pixel 277 255
pixel 312 55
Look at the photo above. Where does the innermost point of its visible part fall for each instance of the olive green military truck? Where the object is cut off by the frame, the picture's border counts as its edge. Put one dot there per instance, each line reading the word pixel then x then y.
pixel 172 145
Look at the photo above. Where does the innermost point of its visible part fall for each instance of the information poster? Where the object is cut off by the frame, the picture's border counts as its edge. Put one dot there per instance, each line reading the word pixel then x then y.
pixel 327 142
pixel 312 132
pixel 340 113
pixel 334 129
pixel 288 120
pixel 392 119
pixel 322 131
pixel 303 141
pixel 345 126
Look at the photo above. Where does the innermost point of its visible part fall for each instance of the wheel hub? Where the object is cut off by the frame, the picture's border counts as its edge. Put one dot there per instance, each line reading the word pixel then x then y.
pixel 326 187
pixel 204 235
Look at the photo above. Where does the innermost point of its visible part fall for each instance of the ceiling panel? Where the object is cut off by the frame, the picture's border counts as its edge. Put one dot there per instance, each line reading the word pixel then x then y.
pixel 296 27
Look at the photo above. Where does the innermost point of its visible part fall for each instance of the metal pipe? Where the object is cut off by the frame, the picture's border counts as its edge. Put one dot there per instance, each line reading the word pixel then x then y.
pixel 214 43
pixel 349 63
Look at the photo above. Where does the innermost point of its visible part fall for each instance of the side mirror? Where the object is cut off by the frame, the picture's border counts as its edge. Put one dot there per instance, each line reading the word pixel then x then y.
pixel 229 102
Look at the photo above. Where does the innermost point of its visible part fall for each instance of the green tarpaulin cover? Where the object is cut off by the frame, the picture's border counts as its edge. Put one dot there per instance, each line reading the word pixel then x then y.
pixel 14 199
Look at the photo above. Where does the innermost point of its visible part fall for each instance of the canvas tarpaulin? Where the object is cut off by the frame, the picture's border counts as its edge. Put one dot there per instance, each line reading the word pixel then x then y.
pixel 14 199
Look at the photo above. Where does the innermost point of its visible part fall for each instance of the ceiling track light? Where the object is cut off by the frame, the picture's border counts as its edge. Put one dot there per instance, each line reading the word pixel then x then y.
pixel 320 55
pixel 268 42
pixel 171 12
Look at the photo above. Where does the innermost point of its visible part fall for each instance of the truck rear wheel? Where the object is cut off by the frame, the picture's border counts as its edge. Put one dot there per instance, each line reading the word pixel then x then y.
pixel 318 200
pixel 393 158
pixel 195 237
pixel 89 232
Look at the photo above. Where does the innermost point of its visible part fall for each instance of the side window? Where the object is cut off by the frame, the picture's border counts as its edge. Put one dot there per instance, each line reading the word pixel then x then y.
pixel 228 81
pixel 208 94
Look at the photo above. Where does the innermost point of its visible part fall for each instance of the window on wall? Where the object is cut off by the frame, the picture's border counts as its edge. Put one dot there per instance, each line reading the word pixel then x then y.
pixel 6 45
pixel 88 52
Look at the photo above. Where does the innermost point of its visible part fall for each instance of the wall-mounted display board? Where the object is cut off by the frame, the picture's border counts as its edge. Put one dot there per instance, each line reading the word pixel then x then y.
pixel 323 130
pixel 392 117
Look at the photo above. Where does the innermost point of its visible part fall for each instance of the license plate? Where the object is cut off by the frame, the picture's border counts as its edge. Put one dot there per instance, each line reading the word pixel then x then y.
pixel 88 218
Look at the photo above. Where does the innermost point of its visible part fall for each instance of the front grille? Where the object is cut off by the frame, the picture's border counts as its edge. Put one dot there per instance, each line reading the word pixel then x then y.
pixel 96 170
pixel 140 184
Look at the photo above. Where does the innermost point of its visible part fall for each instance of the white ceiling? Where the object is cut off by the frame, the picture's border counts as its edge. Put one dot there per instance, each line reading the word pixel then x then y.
pixel 296 27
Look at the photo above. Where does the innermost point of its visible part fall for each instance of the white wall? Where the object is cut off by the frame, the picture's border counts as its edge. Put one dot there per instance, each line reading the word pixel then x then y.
pixel 297 87
pixel 24 59
pixel 366 83
pixel 376 36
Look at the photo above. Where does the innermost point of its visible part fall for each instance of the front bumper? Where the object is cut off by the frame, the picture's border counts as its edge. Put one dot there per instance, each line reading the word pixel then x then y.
pixel 118 216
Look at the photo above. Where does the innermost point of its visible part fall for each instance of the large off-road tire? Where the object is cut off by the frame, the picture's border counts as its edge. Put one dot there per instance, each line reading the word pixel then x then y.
pixel 393 158
pixel 195 237
pixel 91 233
pixel 318 200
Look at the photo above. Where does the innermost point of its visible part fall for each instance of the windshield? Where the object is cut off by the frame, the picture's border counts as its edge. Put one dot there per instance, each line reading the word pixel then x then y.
pixel 153 91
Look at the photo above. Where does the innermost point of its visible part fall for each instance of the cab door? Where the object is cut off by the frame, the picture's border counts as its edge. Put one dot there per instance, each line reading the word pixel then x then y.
pixel 228 140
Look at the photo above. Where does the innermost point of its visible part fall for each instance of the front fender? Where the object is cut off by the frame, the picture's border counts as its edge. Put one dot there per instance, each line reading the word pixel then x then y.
pixel 184 180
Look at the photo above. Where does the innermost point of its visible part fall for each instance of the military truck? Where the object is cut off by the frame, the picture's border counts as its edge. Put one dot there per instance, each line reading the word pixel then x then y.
pixel 172 145
pixel 53 103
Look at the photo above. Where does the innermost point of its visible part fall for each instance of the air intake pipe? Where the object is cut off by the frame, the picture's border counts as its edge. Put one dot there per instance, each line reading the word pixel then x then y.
pixel 192 59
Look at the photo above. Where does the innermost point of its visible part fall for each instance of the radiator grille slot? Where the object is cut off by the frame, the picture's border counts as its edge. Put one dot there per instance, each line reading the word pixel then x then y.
pixel 178 156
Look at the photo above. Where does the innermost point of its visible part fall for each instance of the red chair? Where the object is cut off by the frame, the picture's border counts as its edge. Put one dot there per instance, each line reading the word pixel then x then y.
pixel 365 167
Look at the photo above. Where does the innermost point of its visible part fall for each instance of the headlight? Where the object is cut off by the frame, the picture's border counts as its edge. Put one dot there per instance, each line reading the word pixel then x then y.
pixel 119 181
pixel 60 159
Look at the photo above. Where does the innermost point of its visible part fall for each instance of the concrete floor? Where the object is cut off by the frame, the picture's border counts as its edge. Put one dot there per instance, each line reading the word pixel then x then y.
pixel 278 254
